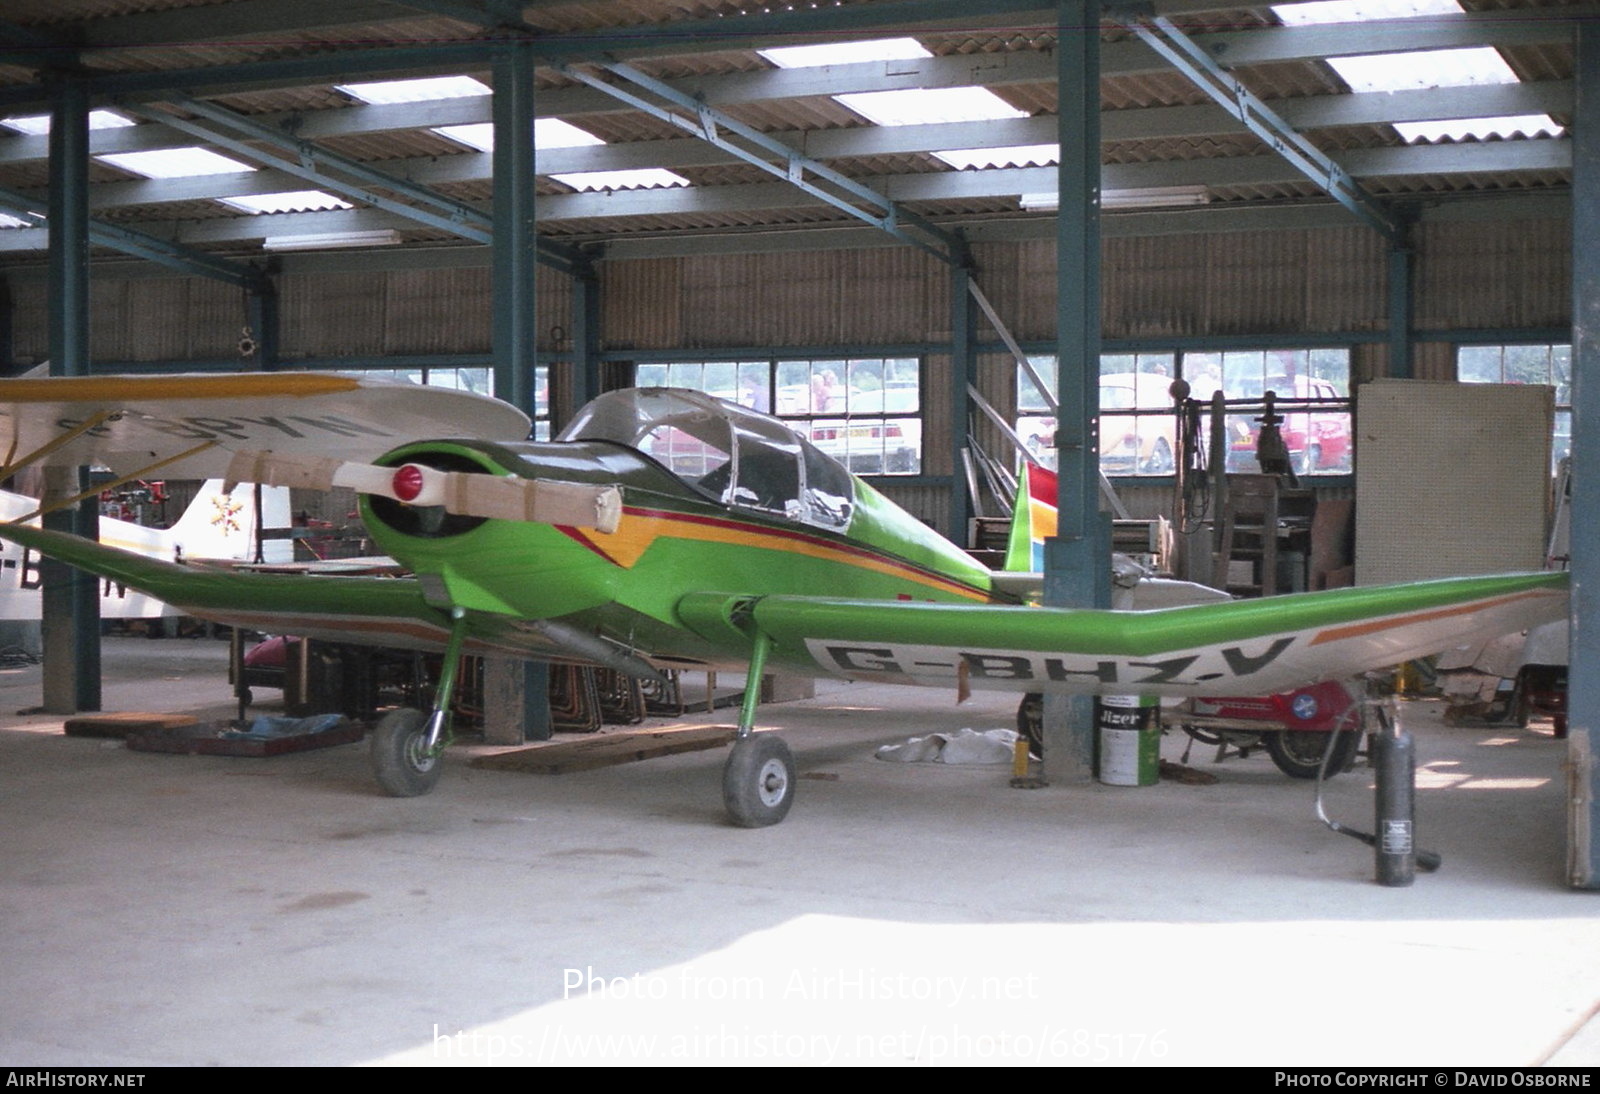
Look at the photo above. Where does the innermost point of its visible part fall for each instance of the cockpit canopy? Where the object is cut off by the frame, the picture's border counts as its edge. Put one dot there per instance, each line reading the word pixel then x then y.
pixel 735 455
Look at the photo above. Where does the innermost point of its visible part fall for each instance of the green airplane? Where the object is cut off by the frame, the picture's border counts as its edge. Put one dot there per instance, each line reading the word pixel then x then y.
pixel 667 529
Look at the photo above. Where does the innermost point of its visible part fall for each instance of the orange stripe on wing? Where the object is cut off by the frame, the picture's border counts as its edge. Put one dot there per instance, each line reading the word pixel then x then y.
pixel 1377 626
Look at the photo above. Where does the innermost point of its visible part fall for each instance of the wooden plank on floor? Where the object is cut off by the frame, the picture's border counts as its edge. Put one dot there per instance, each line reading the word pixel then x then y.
pixel 607 750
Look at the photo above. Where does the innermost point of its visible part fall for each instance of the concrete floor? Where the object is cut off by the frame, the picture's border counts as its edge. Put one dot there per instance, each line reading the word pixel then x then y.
pixel 173 910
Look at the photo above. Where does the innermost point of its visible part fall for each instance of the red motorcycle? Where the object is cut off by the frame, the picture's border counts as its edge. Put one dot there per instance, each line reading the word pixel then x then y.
pixel 1294 727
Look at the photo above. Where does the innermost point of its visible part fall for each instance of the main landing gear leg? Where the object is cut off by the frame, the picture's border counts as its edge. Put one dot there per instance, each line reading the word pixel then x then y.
pixel 758 780
pixel 407 745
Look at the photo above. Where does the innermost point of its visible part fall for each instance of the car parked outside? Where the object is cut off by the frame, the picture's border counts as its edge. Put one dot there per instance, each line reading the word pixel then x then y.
pixel 1137 444
pixel 1317 438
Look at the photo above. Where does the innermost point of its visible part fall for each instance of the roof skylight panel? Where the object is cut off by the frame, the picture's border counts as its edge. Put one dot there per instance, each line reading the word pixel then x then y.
pixel 291 201
pixel 1016 155
pixel 642 178
pixel 37 125
pixel 917 106
pixel 547 133
pixel 175 163
pixel 1420 69
pixel 421 90
pixel 913 106
pixel 845 53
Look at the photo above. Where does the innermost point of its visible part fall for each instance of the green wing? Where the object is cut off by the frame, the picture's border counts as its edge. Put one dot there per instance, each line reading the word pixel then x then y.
pixel 1251 647
pixel 369 610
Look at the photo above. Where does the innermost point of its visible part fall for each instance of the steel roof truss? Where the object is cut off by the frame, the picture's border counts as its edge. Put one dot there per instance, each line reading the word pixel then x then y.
pixel 173 255
pixel 1170 43
pixel 710 125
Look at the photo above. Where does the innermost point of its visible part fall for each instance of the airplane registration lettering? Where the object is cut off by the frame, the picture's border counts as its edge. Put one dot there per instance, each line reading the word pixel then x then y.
pixel 1008 668
pixel 67 424
pixel 1104 671
pixel 1166 671
pixel 864 659
pixel 1243 664
pixel 997 666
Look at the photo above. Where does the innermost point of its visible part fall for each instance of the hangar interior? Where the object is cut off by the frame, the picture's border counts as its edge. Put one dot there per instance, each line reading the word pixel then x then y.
pixel 879 220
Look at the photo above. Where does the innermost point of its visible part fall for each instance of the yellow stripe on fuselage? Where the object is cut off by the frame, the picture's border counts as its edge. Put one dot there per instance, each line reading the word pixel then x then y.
pixel 641 528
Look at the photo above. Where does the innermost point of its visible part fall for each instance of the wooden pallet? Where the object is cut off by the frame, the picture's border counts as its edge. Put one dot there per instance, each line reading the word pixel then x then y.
pixel 203 740
pixel 121 723
pixel 606 751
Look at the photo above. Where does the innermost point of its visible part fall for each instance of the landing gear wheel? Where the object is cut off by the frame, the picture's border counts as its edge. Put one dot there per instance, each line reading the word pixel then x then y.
pixel 402 768
pixel 1298 752
pixel 758 781
pixel 1030 722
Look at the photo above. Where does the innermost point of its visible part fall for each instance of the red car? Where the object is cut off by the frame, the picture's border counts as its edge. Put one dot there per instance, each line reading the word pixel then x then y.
pixel 1318 439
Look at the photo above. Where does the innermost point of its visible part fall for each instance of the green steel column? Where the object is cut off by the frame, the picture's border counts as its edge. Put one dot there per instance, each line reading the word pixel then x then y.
pixel 261 308
pixel 1077 566
pixel 71 613
pixel 8 355
pixel 515 260
pixel 1583 717
pixel 963 374
pixel 1401 256
pixel 585 339
pixel 515 237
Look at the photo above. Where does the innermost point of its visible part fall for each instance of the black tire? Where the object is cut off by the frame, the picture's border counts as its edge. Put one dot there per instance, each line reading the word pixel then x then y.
pixel 1030 722
pixel 402 770
pixel 1298 752
pixel 758 781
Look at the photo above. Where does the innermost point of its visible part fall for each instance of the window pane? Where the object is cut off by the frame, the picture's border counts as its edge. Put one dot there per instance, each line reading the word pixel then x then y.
pixel 1137 427
pixel 1028 395
pixel 1478 364
pixel 863 412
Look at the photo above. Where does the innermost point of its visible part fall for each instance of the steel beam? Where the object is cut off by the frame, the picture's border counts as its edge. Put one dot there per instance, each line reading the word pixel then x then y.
pixel 963 374
pixel 515 319
pixel 334 171
pixel 1401 260
pixel 458 219
pixel 1583 683
pixel 71 603
pixel 1368 108
pixel 172 255
pixel 1077 566
pixel 775 158
pixel 1256 46
pixel 585 374
pixel 262 326
pixel 1548 154
pixel 1188 58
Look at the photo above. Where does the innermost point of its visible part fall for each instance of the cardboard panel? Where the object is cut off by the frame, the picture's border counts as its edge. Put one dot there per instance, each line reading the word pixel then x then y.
pixel 1451 479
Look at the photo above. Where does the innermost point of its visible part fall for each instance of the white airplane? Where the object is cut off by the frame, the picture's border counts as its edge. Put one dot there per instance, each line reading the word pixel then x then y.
pixel 217 525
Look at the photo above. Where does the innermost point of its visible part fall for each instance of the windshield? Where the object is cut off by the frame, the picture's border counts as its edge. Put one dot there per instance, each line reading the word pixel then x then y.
pixel 735 455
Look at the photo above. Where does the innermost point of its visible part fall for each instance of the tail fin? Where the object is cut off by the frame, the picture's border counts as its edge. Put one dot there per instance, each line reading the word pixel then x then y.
pixel 224 525
pixel 1033 519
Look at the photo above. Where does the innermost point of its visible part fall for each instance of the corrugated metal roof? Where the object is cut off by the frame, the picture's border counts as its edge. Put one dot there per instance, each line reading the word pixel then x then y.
pixel 1162 124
